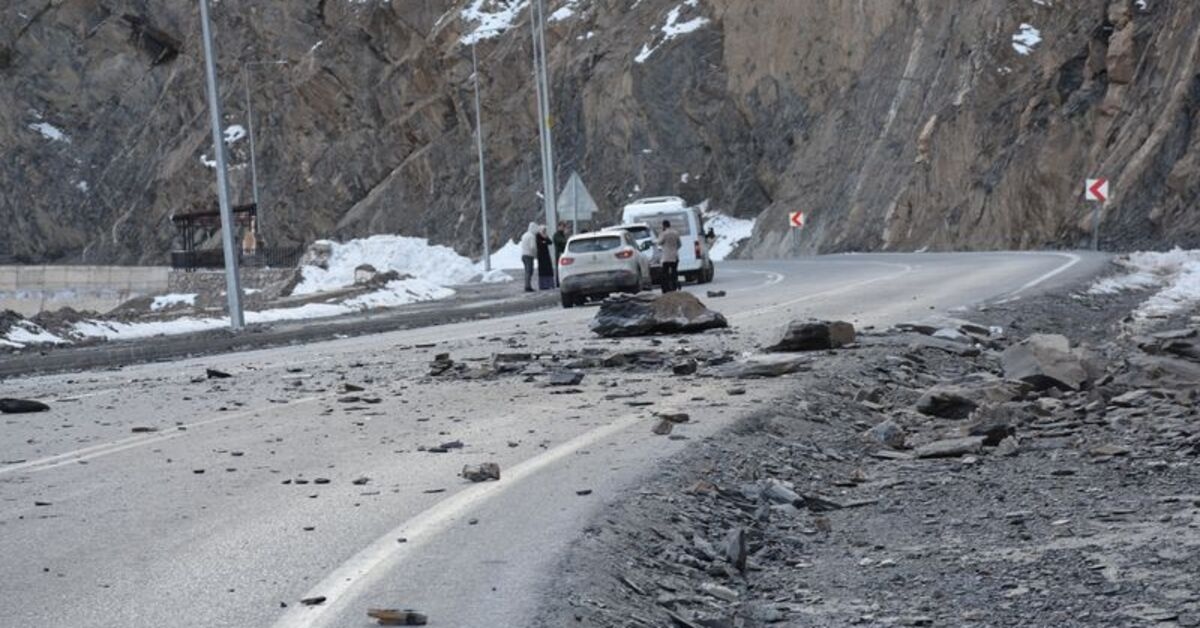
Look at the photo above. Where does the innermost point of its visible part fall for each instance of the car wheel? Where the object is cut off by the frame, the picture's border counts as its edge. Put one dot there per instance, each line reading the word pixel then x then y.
pixel 568 300
pixel 708 273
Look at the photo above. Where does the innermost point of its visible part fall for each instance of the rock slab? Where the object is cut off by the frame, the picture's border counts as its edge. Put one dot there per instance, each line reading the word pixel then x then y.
pixel 646 314
pixel 1045 361
pixel 815 336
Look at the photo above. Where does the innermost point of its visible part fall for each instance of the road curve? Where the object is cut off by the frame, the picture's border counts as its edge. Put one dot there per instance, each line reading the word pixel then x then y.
pixel 192 523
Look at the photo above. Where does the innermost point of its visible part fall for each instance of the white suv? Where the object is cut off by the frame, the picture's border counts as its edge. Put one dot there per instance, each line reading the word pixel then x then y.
pixel 598 264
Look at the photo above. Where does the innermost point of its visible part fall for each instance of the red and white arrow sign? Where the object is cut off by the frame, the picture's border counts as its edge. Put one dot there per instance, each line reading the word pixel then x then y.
pixel 1096 190
pixel 796 220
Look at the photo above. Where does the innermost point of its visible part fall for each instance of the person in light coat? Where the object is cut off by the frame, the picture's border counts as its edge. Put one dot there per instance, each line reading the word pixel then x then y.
pixel 529 253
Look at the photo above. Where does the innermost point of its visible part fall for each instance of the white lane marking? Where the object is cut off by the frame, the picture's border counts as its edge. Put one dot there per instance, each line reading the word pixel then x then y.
pixel 1072 258
pixel 106 449
pixel 904 270
pixel 363 569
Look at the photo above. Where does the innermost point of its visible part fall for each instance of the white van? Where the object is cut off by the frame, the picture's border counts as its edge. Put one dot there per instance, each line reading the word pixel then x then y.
pixel 694 263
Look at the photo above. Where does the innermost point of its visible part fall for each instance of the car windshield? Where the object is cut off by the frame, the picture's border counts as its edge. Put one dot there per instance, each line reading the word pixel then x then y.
pixel 594 245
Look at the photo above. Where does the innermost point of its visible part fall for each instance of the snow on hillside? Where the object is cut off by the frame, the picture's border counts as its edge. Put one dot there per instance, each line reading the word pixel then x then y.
pixel 673 28
pixel 1174 274
pixel 437 265
pixel 730 232
pixel 492 17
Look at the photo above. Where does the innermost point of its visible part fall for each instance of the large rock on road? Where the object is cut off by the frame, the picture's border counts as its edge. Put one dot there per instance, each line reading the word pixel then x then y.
pixel 648 313
pixel 815 336
pixel 1045 361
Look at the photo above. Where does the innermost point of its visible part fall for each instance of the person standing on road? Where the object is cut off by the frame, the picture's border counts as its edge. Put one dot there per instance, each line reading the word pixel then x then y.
pixel 545 264
pixel 529 253
pixel 560 245
pixel 668 239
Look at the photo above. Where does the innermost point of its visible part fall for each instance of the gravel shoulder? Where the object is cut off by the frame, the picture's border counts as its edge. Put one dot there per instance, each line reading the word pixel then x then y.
pixel 1078 507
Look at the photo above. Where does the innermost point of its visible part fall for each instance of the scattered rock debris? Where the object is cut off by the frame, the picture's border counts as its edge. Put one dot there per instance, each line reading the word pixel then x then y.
pixel 950 473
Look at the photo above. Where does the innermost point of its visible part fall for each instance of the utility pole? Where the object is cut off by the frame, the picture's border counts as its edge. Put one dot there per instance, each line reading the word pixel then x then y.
pixel 487 252
pixel 250 124
pixel 233 286
pixel 549 186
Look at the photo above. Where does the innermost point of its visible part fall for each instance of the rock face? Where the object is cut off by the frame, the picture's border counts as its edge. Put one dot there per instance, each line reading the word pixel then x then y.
pixel 644 314
pixel 815 336
pixel 918 123
pixel 1045 361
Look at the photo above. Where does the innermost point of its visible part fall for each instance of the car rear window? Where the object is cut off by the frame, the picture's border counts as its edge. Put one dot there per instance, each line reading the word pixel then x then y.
pixel 594 245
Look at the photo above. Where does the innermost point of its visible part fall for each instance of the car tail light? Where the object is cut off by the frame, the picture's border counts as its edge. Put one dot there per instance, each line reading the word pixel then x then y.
pixel 566 261
pixel 625 254
pixel 696 245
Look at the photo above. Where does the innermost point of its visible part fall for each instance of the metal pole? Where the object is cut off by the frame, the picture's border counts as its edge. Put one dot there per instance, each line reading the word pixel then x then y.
pixel 250 125
pixel 545 79
pixel 1096 227
pixel 549 192
pixel 232 285
pixel 487 254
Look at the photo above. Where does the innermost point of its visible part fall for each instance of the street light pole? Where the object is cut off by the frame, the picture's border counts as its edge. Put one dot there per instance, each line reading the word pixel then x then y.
pixel 549 186
pixel 487 254
pixel 232 284
pixel 250 129
pixel 250 125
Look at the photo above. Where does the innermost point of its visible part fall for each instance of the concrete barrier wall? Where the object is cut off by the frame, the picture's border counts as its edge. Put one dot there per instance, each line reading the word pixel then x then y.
pixel 32 289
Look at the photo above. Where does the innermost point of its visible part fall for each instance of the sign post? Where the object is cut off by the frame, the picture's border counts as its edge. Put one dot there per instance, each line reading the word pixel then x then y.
pixel 796 223
pixel 1096 191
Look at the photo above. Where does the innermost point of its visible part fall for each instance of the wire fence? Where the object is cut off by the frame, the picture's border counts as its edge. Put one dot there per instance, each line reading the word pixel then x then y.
pixel 266 257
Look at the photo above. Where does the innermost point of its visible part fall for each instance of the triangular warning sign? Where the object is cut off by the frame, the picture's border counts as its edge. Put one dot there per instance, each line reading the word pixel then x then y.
pixel 575 203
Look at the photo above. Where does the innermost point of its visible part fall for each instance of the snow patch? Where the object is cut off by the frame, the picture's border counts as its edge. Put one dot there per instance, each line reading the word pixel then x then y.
pixel 565 12
pixel 508 257
pixel 1025 39
pixel 673 28
pixel 170 300
pixel 730 232
pixel 493 18
pixel 25 333
pixel 1176 275
pixel 438 265
pixel 50 132
pixel 395 293
pixel 234 133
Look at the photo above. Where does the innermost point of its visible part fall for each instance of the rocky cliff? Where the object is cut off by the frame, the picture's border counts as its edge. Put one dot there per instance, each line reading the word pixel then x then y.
pixel 897 125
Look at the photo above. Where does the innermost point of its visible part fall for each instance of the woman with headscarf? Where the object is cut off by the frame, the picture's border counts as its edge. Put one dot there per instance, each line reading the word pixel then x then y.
pixel 544 260
pixel 529 251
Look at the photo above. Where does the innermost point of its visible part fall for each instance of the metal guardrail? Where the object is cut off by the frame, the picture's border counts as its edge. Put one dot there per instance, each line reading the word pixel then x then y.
pixel 268 257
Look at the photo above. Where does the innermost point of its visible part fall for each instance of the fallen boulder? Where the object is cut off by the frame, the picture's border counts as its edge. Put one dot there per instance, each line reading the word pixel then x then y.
pixel 959 399
pixel 22 406
pixel 645 314
pixel 814 336
pixel 1045 361
pixel 887 433
pixel 481 473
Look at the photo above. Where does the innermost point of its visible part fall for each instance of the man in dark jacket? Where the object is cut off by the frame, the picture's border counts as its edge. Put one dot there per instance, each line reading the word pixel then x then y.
pixel 560 245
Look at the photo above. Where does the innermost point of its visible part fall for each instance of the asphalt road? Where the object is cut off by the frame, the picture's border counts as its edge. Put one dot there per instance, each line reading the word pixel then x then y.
pixel 202 522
